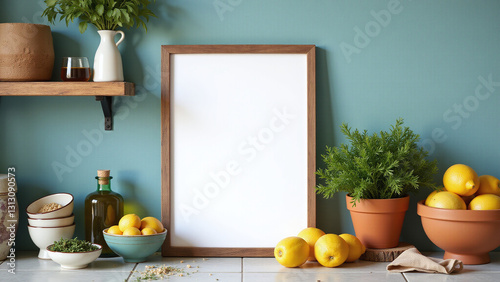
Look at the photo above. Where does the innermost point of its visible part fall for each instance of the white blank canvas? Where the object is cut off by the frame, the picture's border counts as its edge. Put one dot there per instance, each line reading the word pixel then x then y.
pixel 238 149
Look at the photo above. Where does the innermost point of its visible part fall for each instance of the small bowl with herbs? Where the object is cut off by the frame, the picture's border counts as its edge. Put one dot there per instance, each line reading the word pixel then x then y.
pixel 74 253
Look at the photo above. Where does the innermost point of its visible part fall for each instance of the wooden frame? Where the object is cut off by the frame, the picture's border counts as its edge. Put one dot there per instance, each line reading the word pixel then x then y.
pixel 306 201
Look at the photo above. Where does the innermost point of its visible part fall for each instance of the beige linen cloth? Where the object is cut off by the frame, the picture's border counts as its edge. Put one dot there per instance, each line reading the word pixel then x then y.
pixel 413 260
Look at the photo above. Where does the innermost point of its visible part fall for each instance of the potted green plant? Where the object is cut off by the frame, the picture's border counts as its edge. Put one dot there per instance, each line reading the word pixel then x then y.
pixel 106 16
pixel 378 172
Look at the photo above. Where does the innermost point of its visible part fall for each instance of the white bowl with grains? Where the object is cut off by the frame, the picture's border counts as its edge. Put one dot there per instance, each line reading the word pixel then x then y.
pixel 51 206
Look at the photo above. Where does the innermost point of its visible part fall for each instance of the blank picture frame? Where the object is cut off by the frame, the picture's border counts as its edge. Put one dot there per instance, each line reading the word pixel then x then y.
pixel 237 147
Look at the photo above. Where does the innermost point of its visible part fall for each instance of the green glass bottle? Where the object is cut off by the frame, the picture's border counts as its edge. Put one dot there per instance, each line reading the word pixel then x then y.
pixel 103 209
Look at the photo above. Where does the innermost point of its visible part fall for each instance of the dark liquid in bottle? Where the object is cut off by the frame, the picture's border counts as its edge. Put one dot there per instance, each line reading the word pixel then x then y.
pixel 75 74
pixel 103 209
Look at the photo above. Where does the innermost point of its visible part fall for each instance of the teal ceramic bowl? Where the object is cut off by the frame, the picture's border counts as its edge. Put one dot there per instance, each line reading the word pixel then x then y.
pixel 135 248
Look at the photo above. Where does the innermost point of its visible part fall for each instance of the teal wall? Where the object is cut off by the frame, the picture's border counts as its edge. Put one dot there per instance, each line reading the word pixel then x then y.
pixel 423 64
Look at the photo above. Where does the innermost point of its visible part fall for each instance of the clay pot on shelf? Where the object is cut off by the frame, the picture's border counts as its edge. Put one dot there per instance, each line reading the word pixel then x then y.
pixel 26 52
pixel 378 222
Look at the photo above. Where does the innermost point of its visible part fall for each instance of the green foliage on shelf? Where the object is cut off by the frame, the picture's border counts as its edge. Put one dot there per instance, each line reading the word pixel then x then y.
pixel 379 166
pixel 103 14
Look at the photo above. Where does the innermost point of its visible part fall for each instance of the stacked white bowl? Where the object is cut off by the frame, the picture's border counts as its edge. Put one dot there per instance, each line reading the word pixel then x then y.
pixel 46 227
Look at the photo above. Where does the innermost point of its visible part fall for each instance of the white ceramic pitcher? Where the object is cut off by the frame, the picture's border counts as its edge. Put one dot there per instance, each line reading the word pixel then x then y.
pixel 107 60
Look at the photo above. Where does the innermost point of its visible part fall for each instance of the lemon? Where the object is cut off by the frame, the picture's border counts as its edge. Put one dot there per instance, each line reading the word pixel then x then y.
pixel 485 202
pixel 331 250
pixel 131 231
pixel 148 231
pixel 447 200
pixel 153 223
pixel 356 248
pixel 428 199
pixel 461 179
pixel 115 230
pixel 311 235
pixel 291 251
pixel 488 185
pixel 129 220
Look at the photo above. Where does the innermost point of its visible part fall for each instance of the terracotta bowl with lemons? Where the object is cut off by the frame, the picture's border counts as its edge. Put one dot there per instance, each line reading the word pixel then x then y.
pixel 467 235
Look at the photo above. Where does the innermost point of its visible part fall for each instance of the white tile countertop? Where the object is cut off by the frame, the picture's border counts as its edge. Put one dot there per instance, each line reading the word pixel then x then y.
pixel 29 268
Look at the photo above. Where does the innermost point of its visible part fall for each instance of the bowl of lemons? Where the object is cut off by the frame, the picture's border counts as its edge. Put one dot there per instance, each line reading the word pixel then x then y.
pixel 135 239
pixel 463 218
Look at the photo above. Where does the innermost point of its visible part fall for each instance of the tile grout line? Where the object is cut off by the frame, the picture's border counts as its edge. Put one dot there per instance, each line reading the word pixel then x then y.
pixel 241 269
pixel 131 272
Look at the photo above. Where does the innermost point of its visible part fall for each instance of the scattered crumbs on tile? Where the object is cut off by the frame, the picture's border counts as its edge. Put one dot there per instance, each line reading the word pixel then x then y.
pixel 210 274
pixel 188 266
pixel 204 259
pixel 156 272
pixel 181 261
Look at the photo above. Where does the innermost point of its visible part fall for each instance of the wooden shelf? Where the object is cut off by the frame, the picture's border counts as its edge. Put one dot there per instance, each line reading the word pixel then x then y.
pixel 61 88
pixel 103 91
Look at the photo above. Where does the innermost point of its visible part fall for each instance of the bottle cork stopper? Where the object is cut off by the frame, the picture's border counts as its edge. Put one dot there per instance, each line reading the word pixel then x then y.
pixel 103 176
pixel 103 173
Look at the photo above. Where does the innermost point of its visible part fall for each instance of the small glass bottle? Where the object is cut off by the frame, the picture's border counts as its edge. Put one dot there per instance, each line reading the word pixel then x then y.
pixel 103 209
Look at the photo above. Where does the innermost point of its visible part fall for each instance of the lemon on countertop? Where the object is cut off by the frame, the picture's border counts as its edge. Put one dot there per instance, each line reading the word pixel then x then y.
pixel 292 251
pixel 356 248
pixel 311 235
pixel 331 250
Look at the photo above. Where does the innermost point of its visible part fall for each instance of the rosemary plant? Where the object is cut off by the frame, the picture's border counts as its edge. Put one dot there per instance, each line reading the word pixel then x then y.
pixel 379 166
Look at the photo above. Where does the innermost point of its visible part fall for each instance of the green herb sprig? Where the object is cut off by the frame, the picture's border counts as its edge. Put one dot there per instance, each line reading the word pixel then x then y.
pixel 379 166
pixel 72 246
pixel 103 14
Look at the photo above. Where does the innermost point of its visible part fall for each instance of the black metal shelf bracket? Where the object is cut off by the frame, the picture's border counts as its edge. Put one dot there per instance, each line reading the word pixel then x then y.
pixel 106 102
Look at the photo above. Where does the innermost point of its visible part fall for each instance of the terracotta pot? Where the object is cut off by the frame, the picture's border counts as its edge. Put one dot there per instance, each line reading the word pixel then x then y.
pixel 26 52
pixel 467 235
pixel 378 222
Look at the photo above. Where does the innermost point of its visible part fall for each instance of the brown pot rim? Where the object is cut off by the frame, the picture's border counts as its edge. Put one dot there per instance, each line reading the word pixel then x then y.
pixel 457 215
pixel 379 205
